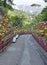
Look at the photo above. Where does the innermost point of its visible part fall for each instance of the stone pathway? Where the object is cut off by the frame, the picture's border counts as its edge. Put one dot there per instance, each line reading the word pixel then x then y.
pixel 23 52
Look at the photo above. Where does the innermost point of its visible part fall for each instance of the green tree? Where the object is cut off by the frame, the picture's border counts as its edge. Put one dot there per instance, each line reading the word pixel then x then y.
pixel 5 2
pixel 42 16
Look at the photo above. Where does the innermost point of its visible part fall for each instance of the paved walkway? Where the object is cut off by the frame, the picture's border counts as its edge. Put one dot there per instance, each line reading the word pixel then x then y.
pixel 23 52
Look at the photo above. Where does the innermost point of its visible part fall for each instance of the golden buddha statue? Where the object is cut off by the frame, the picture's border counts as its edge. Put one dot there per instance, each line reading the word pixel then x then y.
pixel 5 19
pixel 1 36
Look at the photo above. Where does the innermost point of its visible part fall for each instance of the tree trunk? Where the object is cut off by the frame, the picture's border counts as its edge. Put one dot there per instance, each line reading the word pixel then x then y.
pixel 4 3
pixel 45 0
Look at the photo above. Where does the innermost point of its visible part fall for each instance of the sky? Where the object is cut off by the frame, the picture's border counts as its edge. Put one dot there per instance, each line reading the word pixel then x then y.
pixel 28 2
